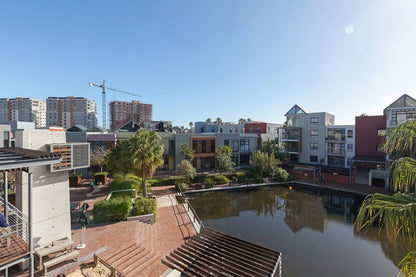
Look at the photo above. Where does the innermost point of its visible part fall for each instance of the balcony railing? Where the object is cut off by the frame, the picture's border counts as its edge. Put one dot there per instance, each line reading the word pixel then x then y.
pixel 336 151
pixel 14 239
pixel 292 149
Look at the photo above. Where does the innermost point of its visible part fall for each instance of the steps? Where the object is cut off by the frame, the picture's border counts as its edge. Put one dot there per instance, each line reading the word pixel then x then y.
pixel 140 256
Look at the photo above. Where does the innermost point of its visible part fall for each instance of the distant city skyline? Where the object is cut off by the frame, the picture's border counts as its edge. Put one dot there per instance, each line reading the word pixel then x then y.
pixel 228 59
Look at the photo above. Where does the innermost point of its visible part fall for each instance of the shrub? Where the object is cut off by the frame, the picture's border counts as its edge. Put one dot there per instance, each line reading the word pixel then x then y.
pixel 258 180
pixel 104 173
pixel 152 182
pixel 142 206
pixel 186 169
pixel 182 186
pixel 123 194
pixel 118 177
pixel 128 184
pixel 208 182
pixel 171 181
pixel 133 177
pixel 241 176
pixel 199 178
pixel 115 209
pixel 75 175
pixel 281 175
pixel 220 179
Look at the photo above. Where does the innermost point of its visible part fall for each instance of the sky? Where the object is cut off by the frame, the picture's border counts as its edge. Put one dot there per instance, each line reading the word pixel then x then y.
pixel 197 59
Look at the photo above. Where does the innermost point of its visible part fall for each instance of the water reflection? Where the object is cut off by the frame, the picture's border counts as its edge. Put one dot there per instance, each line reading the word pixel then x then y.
pixel 303 211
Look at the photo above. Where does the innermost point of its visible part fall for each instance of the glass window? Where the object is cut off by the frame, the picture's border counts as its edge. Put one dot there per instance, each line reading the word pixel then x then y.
pixel 349 147
pixel 208 162
pixel 244 145
pixel 336 134
pixel 234 159
pixel 251 130
pixel 313 145
pixel 212 146
pixel 204 146
pixel 314 120
pixel 171 146
pixel 313 159
pixel 314 133
pixel 194 144
pixel 338 161
pixel 258 130
pixel 350 133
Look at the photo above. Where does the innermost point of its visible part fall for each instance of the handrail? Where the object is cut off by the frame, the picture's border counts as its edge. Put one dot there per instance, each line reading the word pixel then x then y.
pixel 191 212
pixel 16 220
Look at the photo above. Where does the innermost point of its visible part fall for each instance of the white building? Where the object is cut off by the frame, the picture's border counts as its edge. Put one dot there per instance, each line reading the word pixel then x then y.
pixel 340 145
pixel 23 109
pixel 70 111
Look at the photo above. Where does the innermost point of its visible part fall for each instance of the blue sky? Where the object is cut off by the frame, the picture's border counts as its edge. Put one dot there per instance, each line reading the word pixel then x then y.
pixel 198 59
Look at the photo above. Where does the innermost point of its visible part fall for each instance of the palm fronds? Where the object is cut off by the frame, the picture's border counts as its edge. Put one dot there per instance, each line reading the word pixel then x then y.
pixel 408 265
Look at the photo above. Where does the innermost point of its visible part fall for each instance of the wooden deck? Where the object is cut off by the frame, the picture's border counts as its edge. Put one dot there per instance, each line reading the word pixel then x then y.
pixel 16 249
pixel 212 253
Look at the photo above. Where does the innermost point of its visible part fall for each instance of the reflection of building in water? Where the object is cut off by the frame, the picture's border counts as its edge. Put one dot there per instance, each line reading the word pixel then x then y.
pixel 305 211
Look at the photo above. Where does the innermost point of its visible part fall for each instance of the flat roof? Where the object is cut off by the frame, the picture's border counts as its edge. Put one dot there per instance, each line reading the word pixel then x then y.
pixel 15 157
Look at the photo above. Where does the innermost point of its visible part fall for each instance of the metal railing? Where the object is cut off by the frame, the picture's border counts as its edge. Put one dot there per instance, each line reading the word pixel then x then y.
pixel 196 221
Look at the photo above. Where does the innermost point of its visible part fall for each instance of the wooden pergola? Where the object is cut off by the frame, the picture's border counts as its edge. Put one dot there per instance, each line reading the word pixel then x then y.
pixel 212 253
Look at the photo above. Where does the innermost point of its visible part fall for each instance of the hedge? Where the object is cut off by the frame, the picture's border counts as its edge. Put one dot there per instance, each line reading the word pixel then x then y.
pixel 241 176
pixel 115 209
pixel 208 182
pixel 258 180
pixel 142 206
pixel 128 184
pixel 101 173
pixel 123 194
pixel 199 178
pixel 220 179
pixel 171 181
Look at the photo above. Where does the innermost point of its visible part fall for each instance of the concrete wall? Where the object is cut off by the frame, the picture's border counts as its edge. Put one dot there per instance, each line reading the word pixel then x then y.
pixel 51 211
pixel 5 130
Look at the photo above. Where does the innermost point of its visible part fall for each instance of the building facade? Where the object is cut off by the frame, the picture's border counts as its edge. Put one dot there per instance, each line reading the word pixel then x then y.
pixel 121 112
pixel 340 145
pixel 68 111
pixel 23 109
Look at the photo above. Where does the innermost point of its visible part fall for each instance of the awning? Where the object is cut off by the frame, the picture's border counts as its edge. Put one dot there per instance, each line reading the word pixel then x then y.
pixel 15 158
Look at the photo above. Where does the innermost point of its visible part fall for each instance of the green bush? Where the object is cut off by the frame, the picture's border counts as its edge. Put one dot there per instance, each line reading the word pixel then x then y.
pixel 281 175
pixel 241 176
pixel 105 173
pixel 123 194
pixel 182 186
pixel 142 206
pixel 152 182
pixel 220 179
pixel 118 177
pixel 133 177
pixel 171 181
pixel 208 182
pixel 128 184
pixel 199 178
pixel 115 209
pixel 258 180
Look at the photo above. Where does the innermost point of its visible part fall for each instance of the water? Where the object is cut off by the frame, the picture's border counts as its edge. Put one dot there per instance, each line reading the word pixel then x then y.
pixel 313 230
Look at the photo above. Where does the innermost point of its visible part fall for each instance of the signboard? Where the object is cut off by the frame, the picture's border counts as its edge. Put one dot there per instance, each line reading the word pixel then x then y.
pixel 74 156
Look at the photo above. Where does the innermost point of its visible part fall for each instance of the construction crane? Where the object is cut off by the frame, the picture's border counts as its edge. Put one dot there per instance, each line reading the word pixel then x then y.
pixel 104 105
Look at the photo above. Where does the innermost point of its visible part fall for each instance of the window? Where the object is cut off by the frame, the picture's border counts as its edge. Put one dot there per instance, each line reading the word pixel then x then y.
pixel 208 162
pixel 171 146
pixel 244 145
pixel 232 143
pixel 231 130
pixel 234 159
pixel 194 143
pixel 336 134
pixel 349 147
pixel 258 130
pixel 313 145
pixel 314 120
pixel 314 133
pixel 313 159
pixel 251 130
pixel 350 133
pixel 204 146
pixel 212 146
pixel 338 161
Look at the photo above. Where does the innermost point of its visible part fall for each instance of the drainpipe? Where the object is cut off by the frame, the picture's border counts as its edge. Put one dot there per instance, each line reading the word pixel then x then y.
pixel 30 219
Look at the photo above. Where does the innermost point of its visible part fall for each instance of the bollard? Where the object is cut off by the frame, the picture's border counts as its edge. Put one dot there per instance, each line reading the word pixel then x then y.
pixel 96 260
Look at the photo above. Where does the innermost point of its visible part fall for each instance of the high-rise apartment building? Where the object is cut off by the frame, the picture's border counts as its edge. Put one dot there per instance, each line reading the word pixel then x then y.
pixel 122 111
pixel 23 109
pixel 69 111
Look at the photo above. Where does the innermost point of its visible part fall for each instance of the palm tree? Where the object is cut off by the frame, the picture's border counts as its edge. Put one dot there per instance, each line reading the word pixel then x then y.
pixel 241 121
pixel 208 120
pixel 147 152
pixel 397 213
pixel 191 124
pixel 218 121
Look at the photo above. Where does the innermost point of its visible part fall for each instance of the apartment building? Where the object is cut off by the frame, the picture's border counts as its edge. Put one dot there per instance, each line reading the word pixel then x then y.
pixel 23 109
pixel 68 111
pixel 340 145
pixel 264 130
pixel 404 108
pixel 121 112
pixel 211 127
pixel 303 135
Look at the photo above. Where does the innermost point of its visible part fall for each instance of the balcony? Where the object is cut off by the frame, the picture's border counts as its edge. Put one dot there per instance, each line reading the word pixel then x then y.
pixel 14 239
pixel 291 134
pixel 335 151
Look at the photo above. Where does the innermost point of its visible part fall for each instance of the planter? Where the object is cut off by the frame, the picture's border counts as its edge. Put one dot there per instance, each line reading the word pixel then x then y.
pixel 75 181
pixel 100 179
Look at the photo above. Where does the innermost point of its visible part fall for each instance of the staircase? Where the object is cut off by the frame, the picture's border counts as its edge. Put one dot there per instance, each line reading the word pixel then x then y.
pixel 140 256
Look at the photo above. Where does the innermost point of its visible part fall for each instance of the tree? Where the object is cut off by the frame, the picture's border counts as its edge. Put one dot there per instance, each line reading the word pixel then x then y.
pixel 186 169
pixel 187 152
pixel 249 119
pixel 119 159
pixel 223 162
pixel 208 120
pixel 218 121
pixel 191 124
pixel 397 213
pixel 97 158
pixel 270 147
pixel 265 163
pixel 147 153
pixel 241 121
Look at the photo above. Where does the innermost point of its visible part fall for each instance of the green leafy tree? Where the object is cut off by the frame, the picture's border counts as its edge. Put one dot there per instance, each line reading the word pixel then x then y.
pixel 147 153
pixel 191 124
pixel 265 163
pixel 397 213
pixel 223 162
pixel 270 147
pixel 218 121
pixel 119 159
pixel 208 120
pixel 97 158
pixel 186 169
pixel 241 121
pixel 187 152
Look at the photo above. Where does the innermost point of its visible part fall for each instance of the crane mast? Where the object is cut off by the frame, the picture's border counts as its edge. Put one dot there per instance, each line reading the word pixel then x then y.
pixel 104 101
